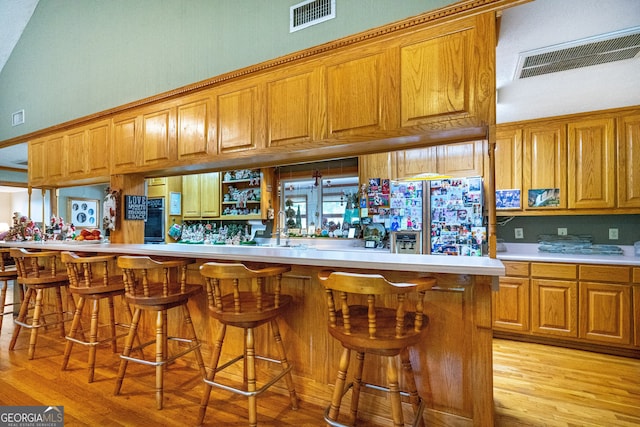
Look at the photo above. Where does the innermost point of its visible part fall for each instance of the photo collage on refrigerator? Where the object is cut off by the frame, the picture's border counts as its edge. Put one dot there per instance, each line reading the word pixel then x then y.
pixel 457 226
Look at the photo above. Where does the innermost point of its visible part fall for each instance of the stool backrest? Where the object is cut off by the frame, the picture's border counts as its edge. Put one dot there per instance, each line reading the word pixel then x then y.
pixel 146 277
pixel 345 291
pixel 240 276
pixel 91 272
pixel 35 267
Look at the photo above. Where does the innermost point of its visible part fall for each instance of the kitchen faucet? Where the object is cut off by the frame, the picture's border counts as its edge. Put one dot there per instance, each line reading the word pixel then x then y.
pixel 282 228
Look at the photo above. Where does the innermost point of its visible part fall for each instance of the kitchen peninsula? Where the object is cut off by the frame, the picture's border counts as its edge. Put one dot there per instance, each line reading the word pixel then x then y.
pixel 454 365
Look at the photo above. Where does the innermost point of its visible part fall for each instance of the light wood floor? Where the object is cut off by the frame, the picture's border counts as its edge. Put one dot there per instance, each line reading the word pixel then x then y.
pixel 534 385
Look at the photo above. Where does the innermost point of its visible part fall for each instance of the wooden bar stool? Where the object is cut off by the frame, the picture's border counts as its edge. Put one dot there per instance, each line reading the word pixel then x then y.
pixel 368 315
pixel 92 278
pixel 8 273
pixel 157 286
pixel 38 271
pixel 247 305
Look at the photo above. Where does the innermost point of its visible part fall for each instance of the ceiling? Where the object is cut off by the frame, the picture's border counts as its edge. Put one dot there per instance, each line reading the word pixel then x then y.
pixel 531 26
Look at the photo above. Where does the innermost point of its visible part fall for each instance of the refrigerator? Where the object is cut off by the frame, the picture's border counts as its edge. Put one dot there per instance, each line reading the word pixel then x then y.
pixel 456 219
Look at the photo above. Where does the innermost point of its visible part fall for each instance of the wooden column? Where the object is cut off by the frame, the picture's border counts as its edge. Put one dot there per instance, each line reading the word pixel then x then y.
pixel 127 231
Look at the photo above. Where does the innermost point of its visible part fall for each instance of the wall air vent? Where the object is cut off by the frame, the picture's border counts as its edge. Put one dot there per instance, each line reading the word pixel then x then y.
pixel 310 12
pixel 610 47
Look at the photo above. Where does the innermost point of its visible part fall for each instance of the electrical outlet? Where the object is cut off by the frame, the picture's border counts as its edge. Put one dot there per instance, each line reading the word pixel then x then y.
pixel 562 231
pixel 613 234
pixel 519 233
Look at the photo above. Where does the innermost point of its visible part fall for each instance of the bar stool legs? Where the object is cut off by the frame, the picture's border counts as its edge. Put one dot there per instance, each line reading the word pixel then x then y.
pixel 250 366
pixel 162 357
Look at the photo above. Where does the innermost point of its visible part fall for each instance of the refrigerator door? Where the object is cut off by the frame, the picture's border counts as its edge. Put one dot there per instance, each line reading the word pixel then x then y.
pixel 456 219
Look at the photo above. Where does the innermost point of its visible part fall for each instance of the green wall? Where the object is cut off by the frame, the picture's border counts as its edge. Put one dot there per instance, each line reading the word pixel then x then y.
pixel 596 225
pixel 84 56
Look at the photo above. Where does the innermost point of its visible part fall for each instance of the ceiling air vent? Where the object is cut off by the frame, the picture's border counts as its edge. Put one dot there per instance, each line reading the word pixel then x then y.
pixel 310 12
pixel 610 47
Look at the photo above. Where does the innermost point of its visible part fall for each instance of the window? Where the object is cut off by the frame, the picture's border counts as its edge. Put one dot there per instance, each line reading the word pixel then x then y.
pixel 309 207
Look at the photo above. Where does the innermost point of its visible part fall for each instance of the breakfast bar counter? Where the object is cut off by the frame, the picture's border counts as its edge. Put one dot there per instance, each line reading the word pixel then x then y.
pixel 453 366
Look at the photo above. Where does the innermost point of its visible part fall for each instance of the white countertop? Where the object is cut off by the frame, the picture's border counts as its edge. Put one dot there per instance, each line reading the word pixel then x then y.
pixel 330 258
pixel 529 252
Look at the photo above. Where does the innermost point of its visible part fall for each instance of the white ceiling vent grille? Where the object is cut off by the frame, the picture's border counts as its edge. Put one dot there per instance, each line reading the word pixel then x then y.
pixel 310 12
pixel 595 50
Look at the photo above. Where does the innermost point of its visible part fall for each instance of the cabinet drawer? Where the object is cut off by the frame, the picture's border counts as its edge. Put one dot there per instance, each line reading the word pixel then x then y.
pixel 516 268
pixel 636 275
pixel 604 273
pixel 554 270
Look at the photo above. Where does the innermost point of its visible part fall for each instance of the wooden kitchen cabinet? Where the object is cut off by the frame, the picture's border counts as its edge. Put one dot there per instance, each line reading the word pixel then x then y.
pixel 37 162
pixel 379 165
pixel 511 302
pixel 554 299
pixel 437 73
pixel 194 128
pixel 126 149
pixel 605 304
pixel 201 196
pixel 545 163
pixel 591 164
pixel 240 118
pixel 87 152
pixel 360 94
pixel 210 195
pixel 295 107
pixel 159 137
pixel 636 307
pixel 508 155
pixel 191 196
pixel 463 159
pixel 628 167
pixel 55 159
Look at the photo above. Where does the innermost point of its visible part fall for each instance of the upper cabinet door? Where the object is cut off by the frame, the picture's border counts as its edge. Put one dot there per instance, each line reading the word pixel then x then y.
pixel 360 97
pixel 545 167
pixel 629 161
pixel 37 160
pixel 240 123
pixel 295 108
pixel 509 160
pixel 462 159
pixel 98 137
pixel 416 161
pixel 76 153
pixel 591 161
pixel 194 121
pixel 55 161
pixel 125 150
pixel 158 137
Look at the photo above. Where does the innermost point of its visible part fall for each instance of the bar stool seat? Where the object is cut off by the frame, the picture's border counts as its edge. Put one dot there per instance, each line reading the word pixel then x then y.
pixel 8 273
pixel 37 272
pixel 246 305
pixel 92 278
pixel 158 286
pixel 368 314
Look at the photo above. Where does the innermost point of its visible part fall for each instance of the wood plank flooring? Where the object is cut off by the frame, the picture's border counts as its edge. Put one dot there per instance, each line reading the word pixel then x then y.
pixel 534 385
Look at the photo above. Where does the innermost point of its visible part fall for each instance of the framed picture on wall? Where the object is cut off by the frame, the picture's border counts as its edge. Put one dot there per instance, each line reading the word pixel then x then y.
pixel 83 213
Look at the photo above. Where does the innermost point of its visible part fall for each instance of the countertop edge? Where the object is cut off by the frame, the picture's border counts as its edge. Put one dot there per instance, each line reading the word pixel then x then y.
pixel 478 266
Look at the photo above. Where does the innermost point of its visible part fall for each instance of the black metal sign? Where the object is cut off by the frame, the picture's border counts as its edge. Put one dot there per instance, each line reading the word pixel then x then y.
pixel 135 208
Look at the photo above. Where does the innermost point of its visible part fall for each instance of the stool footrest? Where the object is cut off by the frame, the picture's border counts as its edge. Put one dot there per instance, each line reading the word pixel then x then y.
pixel 162 362
pixel 29 325
pixel 246 393
pixel 349 386
pixel 103 340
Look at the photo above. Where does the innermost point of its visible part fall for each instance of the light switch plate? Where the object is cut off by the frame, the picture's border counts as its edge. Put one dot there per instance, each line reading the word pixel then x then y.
pixel 519 232
pixel 562 231
pixel 613 234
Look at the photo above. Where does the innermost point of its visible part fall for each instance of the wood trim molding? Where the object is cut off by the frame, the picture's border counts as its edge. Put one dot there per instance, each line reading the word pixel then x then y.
pixel 456 11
